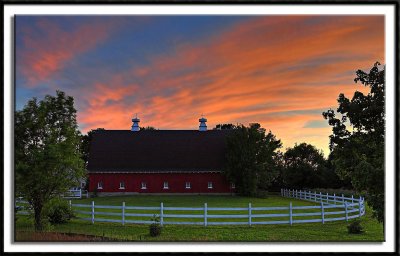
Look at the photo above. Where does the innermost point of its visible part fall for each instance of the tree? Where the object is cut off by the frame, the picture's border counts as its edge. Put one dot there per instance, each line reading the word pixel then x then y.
pixel 85 144
pixel 305 167
pixel 225 127
pixel 85 149
pixel 358 152
pixel 47 151
pixel 250 159
pixel 148 128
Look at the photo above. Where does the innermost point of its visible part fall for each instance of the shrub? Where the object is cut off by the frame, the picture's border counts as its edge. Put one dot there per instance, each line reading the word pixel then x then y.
pixel 355 227
pixel 57 211
pixel 155 228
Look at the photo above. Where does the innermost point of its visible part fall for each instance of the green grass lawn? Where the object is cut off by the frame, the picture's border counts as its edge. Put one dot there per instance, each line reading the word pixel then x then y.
pixel 330 231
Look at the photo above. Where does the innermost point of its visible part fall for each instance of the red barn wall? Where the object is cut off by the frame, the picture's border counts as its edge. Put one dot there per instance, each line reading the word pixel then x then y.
pixel 155 182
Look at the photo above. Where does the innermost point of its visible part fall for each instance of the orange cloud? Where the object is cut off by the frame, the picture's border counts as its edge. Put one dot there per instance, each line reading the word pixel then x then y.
pixel 278 71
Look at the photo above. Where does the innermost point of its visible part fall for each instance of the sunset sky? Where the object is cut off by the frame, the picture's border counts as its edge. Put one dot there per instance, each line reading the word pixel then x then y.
pixel 279 71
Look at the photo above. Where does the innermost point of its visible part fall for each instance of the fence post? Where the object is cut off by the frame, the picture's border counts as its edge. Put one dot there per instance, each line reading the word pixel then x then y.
pixel 322 212
pixel 70 204
pixel 290 214
pixel 334 198
pixel 205 214
pixel 92 212
pixel 87 193
pixel 123 213
pixel 249 214
pixel 320 196
pixel 343 198
pixel 327 198
pixel 359 207
pixel 162 214
pixel 315 196
pixel 345 209
pixel 309 195
pixel 80 193
pixel 352 199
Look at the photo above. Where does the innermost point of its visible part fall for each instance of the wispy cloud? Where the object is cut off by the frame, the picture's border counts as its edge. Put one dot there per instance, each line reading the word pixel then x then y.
pixel 279 71
pixel 47 47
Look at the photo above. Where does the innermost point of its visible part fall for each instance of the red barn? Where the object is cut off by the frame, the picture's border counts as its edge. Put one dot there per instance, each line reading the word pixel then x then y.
pixel 158 161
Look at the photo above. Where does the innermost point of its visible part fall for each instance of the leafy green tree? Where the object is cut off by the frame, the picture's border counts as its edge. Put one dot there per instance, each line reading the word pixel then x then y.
pixel 305 167
pixel 47 151
pixel 358 151
pixel 250 159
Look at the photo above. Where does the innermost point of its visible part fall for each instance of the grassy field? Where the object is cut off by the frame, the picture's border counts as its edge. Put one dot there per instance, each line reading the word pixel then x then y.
pixel 330 231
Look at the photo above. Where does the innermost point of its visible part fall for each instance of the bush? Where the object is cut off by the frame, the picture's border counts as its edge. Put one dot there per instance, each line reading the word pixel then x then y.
pixel 57 211
pixel 355 227
pixel 155 228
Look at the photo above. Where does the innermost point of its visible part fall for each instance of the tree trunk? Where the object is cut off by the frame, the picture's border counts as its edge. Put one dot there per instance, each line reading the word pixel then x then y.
pixel 38 217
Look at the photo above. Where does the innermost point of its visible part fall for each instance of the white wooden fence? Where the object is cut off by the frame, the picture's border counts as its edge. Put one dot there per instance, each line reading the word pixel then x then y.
pixel 76 193
pixel 320 197
pixel 329 208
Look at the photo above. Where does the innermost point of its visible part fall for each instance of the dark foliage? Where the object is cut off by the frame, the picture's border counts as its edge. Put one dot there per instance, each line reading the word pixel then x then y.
pixel 358 153
pixel 225 127
pixel 57 211
pixel 85 144
pixel 251 159
pixel 355 227
pixel 306 168
pixel 147 128
pixel 155 227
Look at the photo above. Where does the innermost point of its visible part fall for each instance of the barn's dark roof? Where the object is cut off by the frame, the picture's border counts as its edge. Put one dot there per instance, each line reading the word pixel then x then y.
pixel 158 150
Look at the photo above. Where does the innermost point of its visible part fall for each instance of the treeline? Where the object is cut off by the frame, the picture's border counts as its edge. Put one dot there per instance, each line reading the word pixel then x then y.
pixel 255 163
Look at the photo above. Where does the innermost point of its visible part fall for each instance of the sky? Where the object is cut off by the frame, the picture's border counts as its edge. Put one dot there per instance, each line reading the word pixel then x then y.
pixel 279 71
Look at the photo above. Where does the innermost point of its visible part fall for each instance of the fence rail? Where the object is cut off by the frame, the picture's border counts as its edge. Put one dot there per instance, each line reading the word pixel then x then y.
pixel 76 193
pixel 327 208
pixel 319 197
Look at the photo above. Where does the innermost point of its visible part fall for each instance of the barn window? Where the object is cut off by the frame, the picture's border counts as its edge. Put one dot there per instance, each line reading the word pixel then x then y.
pixel 166 185
pixel 210 185
pixel 121 185
pixel 100 185
pixel 188 185
pixel 144 185
pixel 233 185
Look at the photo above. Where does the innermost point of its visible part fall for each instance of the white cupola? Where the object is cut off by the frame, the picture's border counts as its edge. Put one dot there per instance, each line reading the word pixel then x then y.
pixel 135 125
pixel 202 126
